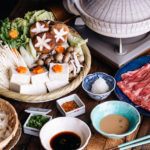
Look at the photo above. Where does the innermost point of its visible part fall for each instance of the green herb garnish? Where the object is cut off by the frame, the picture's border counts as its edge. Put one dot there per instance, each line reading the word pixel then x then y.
pixel 18 26
pixel 15 32
pixel 37 121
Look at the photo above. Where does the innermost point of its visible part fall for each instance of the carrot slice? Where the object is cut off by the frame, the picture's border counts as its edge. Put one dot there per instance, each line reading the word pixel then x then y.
pixel 60 49
pixel 57 68
pixel 13 33
pixel 21 69
pixel 38 70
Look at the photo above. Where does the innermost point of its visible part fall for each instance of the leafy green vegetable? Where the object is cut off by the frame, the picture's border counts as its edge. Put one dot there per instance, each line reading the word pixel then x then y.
pixel 20 26
pixel 76 40
pixel 37 121
pixel 32 49
pixel 28 15
pixel 40 15
pixel 27 56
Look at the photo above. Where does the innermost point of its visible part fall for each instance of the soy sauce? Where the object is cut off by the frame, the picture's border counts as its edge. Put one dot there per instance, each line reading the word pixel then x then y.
pixel 65 141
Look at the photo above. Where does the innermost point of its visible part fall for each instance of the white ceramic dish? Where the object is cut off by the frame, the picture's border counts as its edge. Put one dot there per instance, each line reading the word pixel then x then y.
pixel 62 124
pixel 30 130
pixel 75 112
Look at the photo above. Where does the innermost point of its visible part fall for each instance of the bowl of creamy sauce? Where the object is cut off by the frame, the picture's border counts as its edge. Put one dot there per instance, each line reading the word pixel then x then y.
pixel 115 119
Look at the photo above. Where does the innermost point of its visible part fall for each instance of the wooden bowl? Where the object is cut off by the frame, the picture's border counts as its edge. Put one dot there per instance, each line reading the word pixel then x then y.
pixel 12 121
pixel 56 93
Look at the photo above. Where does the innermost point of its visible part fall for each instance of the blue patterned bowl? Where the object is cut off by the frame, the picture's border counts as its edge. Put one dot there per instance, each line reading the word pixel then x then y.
pixel 89 80
pixel 115 107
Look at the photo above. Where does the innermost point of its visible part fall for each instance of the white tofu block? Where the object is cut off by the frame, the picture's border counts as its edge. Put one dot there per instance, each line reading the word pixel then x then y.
pixel 64 75
pixel 18 78
pixel 33 89
pixel 41 78
pixel 53 85
pixel 14 87
pixel 29 89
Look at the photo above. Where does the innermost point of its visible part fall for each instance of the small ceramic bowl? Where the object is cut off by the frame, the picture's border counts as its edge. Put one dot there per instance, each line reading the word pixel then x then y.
pixel 62 124
pixel 30 130
pixel 73 113
pixel 91 78
pixel 115 107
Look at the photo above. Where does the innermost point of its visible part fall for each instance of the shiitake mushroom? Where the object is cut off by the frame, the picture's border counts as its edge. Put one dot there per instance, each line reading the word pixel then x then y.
pixel 43 56
pixel 52 57
pixel 66 57
pixel 59 57
pixel 70 49
pixel 70 67
pixel 42 48
pixel 58 27
pixel 34 26
pixel 40 62
pixel 47 61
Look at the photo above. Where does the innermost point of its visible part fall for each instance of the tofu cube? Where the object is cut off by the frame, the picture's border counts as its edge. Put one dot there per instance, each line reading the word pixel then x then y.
pixel 54 85
pixel 29 89
pixel 64 75
pixel 15 87
pixel 41 78
pixel 18 78
pixel 33 89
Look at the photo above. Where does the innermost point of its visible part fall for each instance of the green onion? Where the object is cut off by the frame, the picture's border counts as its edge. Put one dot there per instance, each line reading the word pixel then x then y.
pixel 37 121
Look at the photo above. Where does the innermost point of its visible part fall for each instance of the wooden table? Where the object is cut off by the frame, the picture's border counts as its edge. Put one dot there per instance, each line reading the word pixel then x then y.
pixel 33 143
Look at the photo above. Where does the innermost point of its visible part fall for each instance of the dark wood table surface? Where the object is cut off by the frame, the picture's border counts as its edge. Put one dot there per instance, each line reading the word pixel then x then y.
pixel 33 143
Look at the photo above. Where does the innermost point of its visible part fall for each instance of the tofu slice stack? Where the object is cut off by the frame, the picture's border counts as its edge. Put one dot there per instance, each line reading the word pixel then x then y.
pixel 28 83
pixel 37 84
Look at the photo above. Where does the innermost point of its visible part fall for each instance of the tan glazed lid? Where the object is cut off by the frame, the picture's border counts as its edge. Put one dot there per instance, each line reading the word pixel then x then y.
pixel 116 18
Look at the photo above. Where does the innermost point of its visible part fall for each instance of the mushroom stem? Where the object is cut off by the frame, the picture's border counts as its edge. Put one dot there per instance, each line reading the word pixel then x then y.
pixel 77 63
pixel 74 67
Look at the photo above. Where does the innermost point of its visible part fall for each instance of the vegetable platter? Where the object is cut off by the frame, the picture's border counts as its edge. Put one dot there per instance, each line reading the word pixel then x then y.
pixel 40 59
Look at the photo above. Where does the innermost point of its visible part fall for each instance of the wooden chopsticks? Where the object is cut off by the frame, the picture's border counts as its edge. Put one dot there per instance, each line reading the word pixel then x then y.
pixel 134 143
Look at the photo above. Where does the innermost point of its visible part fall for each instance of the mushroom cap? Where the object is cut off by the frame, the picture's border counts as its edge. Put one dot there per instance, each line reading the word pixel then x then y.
pixel 51 43
pixel 59 26
pixel 33 26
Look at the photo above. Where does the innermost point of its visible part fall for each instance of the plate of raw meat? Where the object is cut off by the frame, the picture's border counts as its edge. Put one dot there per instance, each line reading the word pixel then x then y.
pixel 133 84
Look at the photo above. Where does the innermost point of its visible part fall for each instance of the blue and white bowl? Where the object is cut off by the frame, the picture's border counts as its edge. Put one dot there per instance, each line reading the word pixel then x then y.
pixel 115 107
pixel 91 78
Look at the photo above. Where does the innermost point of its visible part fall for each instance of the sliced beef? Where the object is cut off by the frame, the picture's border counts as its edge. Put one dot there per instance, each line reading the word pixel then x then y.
pixel 136 85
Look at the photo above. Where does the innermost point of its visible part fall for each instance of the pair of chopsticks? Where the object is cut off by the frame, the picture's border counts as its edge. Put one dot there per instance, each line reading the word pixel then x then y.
pixel 134 143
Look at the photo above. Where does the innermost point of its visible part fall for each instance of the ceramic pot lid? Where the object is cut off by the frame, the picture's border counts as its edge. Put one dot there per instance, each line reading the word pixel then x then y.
pixel 129 17
pixel 117 11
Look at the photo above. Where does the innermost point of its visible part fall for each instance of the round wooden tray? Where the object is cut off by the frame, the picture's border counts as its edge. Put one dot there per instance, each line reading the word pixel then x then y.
pixel 15 139
pixel 56 93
